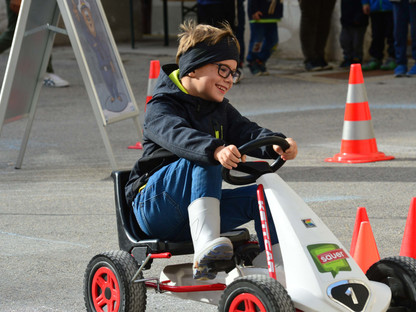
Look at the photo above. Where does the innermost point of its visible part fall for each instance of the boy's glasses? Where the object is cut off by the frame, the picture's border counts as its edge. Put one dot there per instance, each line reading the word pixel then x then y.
pixel 225 71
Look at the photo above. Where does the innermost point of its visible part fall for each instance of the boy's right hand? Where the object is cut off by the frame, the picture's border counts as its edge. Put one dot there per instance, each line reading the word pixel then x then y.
pixel 366 9
pixel 228 156
pixel 256 16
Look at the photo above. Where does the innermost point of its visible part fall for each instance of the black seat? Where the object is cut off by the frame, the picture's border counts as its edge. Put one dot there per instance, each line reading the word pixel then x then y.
pixel 130 236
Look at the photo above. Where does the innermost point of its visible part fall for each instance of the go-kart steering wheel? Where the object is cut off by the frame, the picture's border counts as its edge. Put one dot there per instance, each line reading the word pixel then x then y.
pixel 253 170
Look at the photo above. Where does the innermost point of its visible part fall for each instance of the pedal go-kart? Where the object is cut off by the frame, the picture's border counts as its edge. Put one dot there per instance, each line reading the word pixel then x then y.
pixel 318 274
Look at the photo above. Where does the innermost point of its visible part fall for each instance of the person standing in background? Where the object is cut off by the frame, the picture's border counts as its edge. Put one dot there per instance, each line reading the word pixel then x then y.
pixel 263 16
pixel 381 16
pixel 354 25
pixel 6 40
pixel 315 23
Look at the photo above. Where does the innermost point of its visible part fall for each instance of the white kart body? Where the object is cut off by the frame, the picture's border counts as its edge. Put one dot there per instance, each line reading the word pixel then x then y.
pixel 319 274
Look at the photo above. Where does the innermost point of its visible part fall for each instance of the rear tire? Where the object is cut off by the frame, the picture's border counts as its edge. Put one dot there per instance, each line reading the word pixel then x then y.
pixel 108 286
pixel 255 293
pixel 399 273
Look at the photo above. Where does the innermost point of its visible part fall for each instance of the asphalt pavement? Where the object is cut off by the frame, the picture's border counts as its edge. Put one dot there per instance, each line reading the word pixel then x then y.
pixel 57 210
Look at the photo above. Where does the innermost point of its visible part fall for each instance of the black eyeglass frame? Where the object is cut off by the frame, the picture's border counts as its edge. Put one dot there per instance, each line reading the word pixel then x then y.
pixel 234 73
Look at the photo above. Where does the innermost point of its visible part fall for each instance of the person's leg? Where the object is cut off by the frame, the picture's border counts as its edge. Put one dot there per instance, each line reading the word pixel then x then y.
pixel 388 32
pixel 325 7
pixel 308 29
pixel 6 38
pixel 377 36
pixel 239 206
pixel 412 18
pixel 254 47
pixel 269 42
pixel 401 20
pixel 358 43
pixel 181 201
pixel 345 40
pixel 241 18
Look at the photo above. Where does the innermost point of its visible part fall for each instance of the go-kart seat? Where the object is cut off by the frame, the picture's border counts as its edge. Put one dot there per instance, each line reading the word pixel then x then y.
pixel 130 236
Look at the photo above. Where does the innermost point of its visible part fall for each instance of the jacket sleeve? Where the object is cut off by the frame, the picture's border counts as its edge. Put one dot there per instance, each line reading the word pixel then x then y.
pixel 168 126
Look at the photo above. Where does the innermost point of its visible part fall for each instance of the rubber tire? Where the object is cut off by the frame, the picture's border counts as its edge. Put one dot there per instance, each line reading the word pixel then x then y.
pixel 399 273
pixel 120 266
pixel 269 293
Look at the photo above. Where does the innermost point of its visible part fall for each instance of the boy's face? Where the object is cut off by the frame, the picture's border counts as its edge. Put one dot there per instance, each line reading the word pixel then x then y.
pixel 207 84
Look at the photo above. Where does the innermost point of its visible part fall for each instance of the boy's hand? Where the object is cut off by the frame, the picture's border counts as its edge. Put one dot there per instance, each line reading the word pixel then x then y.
pixel 256 16
pixel 228 156
pixel 290 153
pixel 366 9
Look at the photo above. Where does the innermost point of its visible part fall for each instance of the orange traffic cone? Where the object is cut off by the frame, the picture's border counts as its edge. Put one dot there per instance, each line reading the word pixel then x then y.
pixel 361 216
pixel 153 75
pixel 358 143
pixel 408 248
pixel 366 252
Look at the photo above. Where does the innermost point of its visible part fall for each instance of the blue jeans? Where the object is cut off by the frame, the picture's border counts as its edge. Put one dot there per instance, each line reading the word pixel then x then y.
pixel 263 41
pixel 161 208
pixel 403 14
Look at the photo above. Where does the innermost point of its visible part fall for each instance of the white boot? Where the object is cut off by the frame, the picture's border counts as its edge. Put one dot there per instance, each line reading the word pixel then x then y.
pixel 204 221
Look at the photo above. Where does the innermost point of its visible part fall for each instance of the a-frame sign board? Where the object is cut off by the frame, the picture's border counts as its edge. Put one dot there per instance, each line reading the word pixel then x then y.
pixel 101 68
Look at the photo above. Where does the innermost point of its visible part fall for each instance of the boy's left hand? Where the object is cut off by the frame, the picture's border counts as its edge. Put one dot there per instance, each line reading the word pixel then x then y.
pixel 290 153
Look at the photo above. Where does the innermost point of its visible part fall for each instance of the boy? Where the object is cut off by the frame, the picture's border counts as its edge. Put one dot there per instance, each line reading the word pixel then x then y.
pixel 381 16
pixel 190 132
pixel 263 16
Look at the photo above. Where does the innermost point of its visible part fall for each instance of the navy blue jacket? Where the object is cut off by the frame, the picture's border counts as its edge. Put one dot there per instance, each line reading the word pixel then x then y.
pixel 263 6
pixel 352 13
pixel 179 125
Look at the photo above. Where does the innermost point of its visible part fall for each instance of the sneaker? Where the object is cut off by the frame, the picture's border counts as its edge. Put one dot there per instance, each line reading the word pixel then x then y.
pixel 238 79
pixel 389 64
pixel 324 65
pixel 345 64
pixel 254 68
pixel 373 64
pixel 310 66
pixel 54 81
pixel 263 68
pixel 400 71
pixel 412 71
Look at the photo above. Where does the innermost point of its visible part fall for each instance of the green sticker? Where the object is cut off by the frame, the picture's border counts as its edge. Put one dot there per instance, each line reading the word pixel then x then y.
pixel 329 258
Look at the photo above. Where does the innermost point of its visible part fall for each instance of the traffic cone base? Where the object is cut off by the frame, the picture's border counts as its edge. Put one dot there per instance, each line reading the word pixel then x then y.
pixel 366 252
pixel 359 152
pixel 408 247
pixel 138 145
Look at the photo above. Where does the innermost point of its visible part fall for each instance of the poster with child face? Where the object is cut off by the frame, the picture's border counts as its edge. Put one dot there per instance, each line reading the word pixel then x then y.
pixel 103 66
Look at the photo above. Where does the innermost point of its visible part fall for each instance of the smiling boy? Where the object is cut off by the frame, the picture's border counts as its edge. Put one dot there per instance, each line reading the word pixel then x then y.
pixel 190 132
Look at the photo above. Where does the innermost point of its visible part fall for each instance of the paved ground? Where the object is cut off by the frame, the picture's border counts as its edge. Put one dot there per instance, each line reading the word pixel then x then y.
pixel 57 211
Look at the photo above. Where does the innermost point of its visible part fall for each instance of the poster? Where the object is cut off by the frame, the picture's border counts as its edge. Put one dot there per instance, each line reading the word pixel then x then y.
pixel 111 89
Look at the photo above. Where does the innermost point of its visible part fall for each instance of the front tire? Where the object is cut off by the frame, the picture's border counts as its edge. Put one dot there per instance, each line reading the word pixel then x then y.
pixel 108 286
pixel 255 293
pixel 399 273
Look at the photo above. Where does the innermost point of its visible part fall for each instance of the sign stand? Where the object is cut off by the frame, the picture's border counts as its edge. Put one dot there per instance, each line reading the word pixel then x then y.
pixel 100 65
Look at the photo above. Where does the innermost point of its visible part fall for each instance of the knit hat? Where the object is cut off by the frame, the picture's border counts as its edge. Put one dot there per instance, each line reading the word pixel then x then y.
pixel 204 53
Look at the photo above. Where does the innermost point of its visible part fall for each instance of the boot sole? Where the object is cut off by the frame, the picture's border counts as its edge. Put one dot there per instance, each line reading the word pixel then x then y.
pixel 221 251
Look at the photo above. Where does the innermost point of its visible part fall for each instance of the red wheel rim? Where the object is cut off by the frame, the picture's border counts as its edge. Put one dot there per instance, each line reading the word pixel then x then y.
pixel 105 291
pixel 248 303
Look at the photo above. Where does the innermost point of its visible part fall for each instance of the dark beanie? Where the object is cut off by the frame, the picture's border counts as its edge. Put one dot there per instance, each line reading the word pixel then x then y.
pixel 203 53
